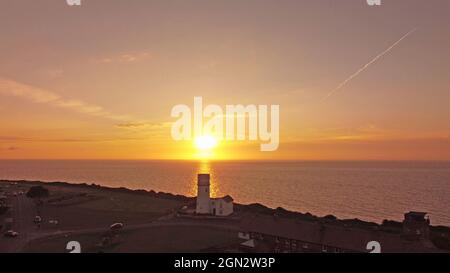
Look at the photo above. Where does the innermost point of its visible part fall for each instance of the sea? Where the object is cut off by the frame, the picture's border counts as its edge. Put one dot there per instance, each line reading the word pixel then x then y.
pixel 367 190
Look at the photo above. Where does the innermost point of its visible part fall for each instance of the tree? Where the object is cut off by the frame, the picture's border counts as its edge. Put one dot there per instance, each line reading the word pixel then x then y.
pixel 37 192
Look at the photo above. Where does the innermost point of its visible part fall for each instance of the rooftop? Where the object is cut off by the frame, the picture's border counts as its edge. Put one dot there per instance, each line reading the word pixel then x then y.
pixel 226 198
pixel 203 179
pixel 315 232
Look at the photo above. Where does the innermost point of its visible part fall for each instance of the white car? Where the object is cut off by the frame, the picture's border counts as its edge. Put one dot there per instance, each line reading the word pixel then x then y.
pixel 116 226
pixel 37 219
pixel 11 234
pixel 53 222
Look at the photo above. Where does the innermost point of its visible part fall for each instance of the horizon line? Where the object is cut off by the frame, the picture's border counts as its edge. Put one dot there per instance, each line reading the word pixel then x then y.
pixel 228 160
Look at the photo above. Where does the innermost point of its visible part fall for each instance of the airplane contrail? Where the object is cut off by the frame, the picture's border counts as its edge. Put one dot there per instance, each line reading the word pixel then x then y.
pixel 342 84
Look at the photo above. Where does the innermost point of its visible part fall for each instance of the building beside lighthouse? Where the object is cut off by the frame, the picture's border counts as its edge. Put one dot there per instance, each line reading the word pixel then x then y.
pixel 211 206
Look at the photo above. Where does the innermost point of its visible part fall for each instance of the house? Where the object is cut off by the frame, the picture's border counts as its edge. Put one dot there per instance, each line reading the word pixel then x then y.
pixel 416 225
pixel 265 233
pixel 211 206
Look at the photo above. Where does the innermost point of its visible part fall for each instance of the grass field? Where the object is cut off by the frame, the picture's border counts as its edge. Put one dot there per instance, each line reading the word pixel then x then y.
pixel 157 239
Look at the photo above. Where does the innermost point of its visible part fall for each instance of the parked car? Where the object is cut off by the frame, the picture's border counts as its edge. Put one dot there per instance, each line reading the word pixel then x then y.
pixel 116 226
pixel 37 219
pixel 11 234
pixel 53 222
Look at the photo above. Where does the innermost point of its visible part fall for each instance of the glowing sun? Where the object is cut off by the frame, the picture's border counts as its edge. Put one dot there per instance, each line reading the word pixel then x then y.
pixel 205 142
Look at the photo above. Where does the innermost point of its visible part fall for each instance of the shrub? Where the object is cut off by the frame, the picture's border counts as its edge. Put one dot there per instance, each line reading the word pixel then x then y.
pixel 37 192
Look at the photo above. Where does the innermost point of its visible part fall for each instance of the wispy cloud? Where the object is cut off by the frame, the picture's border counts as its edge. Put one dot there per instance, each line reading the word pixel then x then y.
pixel 52 73
pixel 354 75
pixel 67 140
pixel 42 96
pixel 130 57
pixel 142 125
pixel 10 148
pixel 366 131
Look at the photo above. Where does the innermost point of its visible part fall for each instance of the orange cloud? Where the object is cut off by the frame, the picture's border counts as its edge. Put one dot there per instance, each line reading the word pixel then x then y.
pixel 38 95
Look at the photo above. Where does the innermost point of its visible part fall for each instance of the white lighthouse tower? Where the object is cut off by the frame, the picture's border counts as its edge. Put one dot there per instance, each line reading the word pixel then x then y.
pixel 203 195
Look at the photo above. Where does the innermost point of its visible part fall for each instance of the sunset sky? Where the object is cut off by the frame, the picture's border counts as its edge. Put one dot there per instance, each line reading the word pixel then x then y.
pixel 99 81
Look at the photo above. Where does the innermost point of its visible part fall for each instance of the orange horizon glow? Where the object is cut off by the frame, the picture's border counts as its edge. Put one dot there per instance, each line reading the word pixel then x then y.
pixel 76 89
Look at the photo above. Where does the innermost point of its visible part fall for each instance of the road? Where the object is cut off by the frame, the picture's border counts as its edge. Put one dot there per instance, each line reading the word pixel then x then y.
pixel 222 225
pixel 23 211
